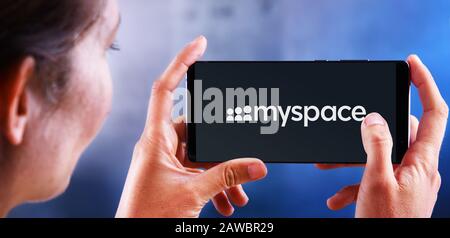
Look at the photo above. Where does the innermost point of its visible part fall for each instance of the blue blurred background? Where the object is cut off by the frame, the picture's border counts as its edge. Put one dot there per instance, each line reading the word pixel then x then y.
pixel 153 31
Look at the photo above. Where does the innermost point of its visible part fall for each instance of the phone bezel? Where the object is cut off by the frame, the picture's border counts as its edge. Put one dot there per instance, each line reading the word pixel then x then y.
pixel 403 98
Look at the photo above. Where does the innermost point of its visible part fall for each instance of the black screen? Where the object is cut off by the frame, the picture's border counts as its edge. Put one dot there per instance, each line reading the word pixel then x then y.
pixel 329 86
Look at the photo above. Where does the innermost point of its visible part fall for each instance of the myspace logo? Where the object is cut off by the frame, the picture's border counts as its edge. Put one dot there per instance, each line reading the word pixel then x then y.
pixel 295 113
pixel 235 115
pixel 251 105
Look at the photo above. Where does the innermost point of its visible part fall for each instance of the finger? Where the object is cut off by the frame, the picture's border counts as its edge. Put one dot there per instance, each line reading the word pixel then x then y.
pixel 182 156
pixel 377 141
pixel 199 165
pixel 435 111
pixel 343 198
pixel 194 171
pixel 337 166
pixel 180 127
pixel 413 126
pixel 222 204
pixel 237 195
pixel 182 153
pixel 227 175
pixel 179 66
pixel 395 166
pixel 160 107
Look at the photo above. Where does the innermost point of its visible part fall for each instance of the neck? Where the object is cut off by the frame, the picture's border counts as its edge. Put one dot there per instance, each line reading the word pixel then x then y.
pixel 8 198
pixel 4 208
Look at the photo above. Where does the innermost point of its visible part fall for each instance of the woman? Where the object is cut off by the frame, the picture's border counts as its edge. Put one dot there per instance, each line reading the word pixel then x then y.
pixel 55 92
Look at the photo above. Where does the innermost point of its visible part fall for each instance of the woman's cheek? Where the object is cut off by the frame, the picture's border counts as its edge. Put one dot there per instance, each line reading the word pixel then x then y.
pixel 92 100
pixel 102 96
pixel 108 85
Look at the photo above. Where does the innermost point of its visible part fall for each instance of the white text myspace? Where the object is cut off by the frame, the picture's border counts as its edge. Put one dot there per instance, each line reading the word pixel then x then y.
pixel 251 105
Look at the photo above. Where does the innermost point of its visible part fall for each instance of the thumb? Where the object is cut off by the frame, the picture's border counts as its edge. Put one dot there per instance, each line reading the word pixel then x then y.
pixel 227 175
pixel 377 141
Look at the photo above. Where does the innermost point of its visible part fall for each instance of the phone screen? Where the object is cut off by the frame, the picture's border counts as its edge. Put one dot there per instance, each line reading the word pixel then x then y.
pixel 297 112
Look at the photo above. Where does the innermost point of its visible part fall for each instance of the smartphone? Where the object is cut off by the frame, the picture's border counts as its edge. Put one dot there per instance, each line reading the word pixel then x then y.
pixel 293 111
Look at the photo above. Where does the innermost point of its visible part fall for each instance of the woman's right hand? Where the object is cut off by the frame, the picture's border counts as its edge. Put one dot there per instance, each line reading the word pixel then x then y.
pixel 410 189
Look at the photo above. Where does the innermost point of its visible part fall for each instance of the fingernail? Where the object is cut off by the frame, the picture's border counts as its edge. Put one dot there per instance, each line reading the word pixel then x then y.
pixel 374 119
pixel 417 58
pixel 246 199
pixel 256 171
pixel 198 38
pixel 198 51
pixel 231 212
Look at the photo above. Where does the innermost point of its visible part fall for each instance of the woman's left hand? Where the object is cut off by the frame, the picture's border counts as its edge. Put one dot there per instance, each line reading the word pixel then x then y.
pixel 161 181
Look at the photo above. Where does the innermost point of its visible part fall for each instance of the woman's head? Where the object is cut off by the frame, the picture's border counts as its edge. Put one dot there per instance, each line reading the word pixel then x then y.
pixel 55 89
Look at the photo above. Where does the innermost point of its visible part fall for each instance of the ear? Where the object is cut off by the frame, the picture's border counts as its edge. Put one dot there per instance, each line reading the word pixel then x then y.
pixel 14 112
